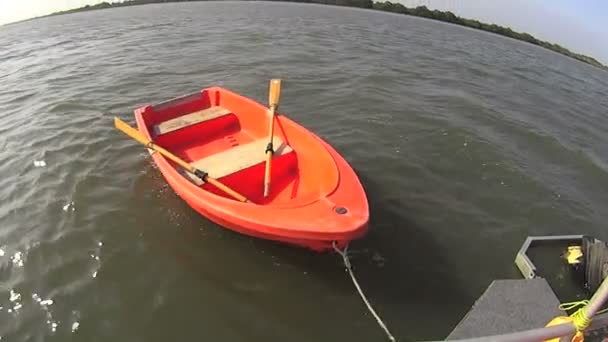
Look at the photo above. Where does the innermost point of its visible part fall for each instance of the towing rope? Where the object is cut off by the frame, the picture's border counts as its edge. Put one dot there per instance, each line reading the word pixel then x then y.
pixel 361 294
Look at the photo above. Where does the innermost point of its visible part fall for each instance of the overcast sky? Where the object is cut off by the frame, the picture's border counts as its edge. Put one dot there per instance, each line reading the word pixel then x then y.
pixel 579 25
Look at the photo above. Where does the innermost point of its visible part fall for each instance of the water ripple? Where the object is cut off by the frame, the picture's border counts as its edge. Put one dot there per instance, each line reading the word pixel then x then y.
pixel 466 142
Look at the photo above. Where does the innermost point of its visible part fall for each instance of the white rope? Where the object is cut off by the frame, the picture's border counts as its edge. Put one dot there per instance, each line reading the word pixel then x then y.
pixel 369 306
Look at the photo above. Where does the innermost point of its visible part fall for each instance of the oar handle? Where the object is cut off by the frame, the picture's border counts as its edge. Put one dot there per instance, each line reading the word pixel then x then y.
pixel 267 174
pixel 226 189
pixel 204 176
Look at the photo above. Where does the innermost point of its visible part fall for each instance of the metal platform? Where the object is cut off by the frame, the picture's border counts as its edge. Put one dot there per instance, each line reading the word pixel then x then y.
pixel 508 306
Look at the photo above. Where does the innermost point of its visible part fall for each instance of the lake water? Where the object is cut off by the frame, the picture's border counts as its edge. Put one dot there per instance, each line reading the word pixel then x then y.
pixel 466 143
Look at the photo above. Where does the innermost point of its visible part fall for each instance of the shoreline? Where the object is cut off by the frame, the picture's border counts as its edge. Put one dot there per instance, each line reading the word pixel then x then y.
pixel 386 6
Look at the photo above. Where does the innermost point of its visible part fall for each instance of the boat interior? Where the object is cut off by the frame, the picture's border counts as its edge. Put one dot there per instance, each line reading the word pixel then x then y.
pixel 226 135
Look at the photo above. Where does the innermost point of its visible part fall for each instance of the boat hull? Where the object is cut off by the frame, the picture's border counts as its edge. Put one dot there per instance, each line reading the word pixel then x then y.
pixel 316 198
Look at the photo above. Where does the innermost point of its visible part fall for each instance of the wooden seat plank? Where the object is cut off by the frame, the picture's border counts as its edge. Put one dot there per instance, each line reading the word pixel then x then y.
pixel 189 120
pixel 236 159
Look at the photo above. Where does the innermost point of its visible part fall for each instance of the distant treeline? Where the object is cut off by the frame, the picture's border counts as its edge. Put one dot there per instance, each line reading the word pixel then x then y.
pixel 450 17
pixel 387 6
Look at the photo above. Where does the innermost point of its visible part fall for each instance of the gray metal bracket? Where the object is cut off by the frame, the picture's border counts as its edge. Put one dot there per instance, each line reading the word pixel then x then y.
pixel 525 265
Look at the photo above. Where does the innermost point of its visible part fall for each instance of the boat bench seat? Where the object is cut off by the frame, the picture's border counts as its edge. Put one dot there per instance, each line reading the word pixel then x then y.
pixel 236 159
pixel 189 120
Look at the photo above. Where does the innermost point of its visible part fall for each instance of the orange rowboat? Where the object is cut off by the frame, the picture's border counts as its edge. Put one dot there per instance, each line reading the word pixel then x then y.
pixel 315 197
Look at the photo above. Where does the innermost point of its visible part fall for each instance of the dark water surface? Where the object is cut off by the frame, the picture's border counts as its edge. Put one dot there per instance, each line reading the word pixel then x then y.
pixel 466 142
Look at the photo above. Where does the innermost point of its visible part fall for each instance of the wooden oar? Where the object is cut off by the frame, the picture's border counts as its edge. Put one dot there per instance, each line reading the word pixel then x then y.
pixel 273 103
pixel 135 134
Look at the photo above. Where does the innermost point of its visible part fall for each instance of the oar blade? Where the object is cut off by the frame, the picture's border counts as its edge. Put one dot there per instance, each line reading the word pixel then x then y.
pixel 130 131
pixel 274 93
pixel 137 135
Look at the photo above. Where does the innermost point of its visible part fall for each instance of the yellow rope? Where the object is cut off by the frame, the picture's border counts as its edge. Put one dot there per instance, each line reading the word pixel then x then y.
pixel 579 318
pixel 573 305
